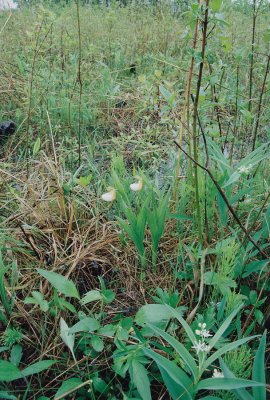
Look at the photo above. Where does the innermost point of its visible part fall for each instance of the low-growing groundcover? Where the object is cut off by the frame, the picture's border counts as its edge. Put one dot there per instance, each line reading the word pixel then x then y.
pixel 134 203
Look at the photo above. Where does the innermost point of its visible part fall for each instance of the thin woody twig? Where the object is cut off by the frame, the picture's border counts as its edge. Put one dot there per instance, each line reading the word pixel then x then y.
pixel 231 209
pixel 260 104
pixel 204 139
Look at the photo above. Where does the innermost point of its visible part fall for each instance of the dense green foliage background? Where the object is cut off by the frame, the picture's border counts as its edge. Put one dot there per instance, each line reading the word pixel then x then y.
pixel 103 299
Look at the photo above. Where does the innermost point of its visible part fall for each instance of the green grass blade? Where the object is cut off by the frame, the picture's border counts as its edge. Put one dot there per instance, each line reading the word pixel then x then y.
pixel 226 384
pixel 258 371
pixel 242 394
pixel 225 349
pixel 179 348
pixel 176 373
pixel 223 327
pixel 184 324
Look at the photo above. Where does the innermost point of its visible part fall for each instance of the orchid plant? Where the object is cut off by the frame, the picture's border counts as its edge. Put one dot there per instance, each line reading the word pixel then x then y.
pixel 151 210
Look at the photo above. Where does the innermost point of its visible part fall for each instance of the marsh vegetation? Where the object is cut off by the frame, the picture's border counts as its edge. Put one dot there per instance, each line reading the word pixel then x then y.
pixel 134 202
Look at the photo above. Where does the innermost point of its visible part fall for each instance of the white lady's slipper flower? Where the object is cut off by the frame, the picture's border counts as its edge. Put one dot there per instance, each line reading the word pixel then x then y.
pixel 137 186
pixel 217 374
pixel 110 195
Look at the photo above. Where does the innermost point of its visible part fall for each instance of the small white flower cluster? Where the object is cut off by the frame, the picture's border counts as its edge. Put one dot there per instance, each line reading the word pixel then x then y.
pixel 217 374
pixel 201 346
pixel 244 170
pixel 203 333
pixel 111 194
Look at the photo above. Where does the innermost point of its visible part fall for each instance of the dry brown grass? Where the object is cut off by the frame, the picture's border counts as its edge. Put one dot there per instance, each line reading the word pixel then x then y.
pixel 71 235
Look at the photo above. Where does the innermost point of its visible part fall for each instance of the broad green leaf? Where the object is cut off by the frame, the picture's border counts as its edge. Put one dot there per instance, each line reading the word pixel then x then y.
pixel 258 370
pixel 152 313
pixel 16 354
pixel 226 384
pixel 100 385
pixel 174 390
pixel 216 5
pixel 43 304
pixel 9 372
pixel 176 373
pixel 259 316
pixel 37 367
pixel 108 295
pixel 139 377
pixel 93 295
pixel 253 296
pixel 62 284
pixel 68 386
pixel 85 325
pixel 37 299
pixel 37 295
pixel 254 266
pixel 127 323
pixel 30 300
pixel 68 339
pixel 107 330
pixel 179 348
pixel 84 180
pixel 67 305
pixel 36 147
pixel 122 333
pixel 97 343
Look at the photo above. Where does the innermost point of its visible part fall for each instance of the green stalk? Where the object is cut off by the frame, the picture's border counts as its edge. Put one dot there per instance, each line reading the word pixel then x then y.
pixel 79 79
pixel 195 119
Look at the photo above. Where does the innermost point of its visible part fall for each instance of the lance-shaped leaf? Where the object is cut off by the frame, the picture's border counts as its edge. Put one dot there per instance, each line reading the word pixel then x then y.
pixel 60 283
